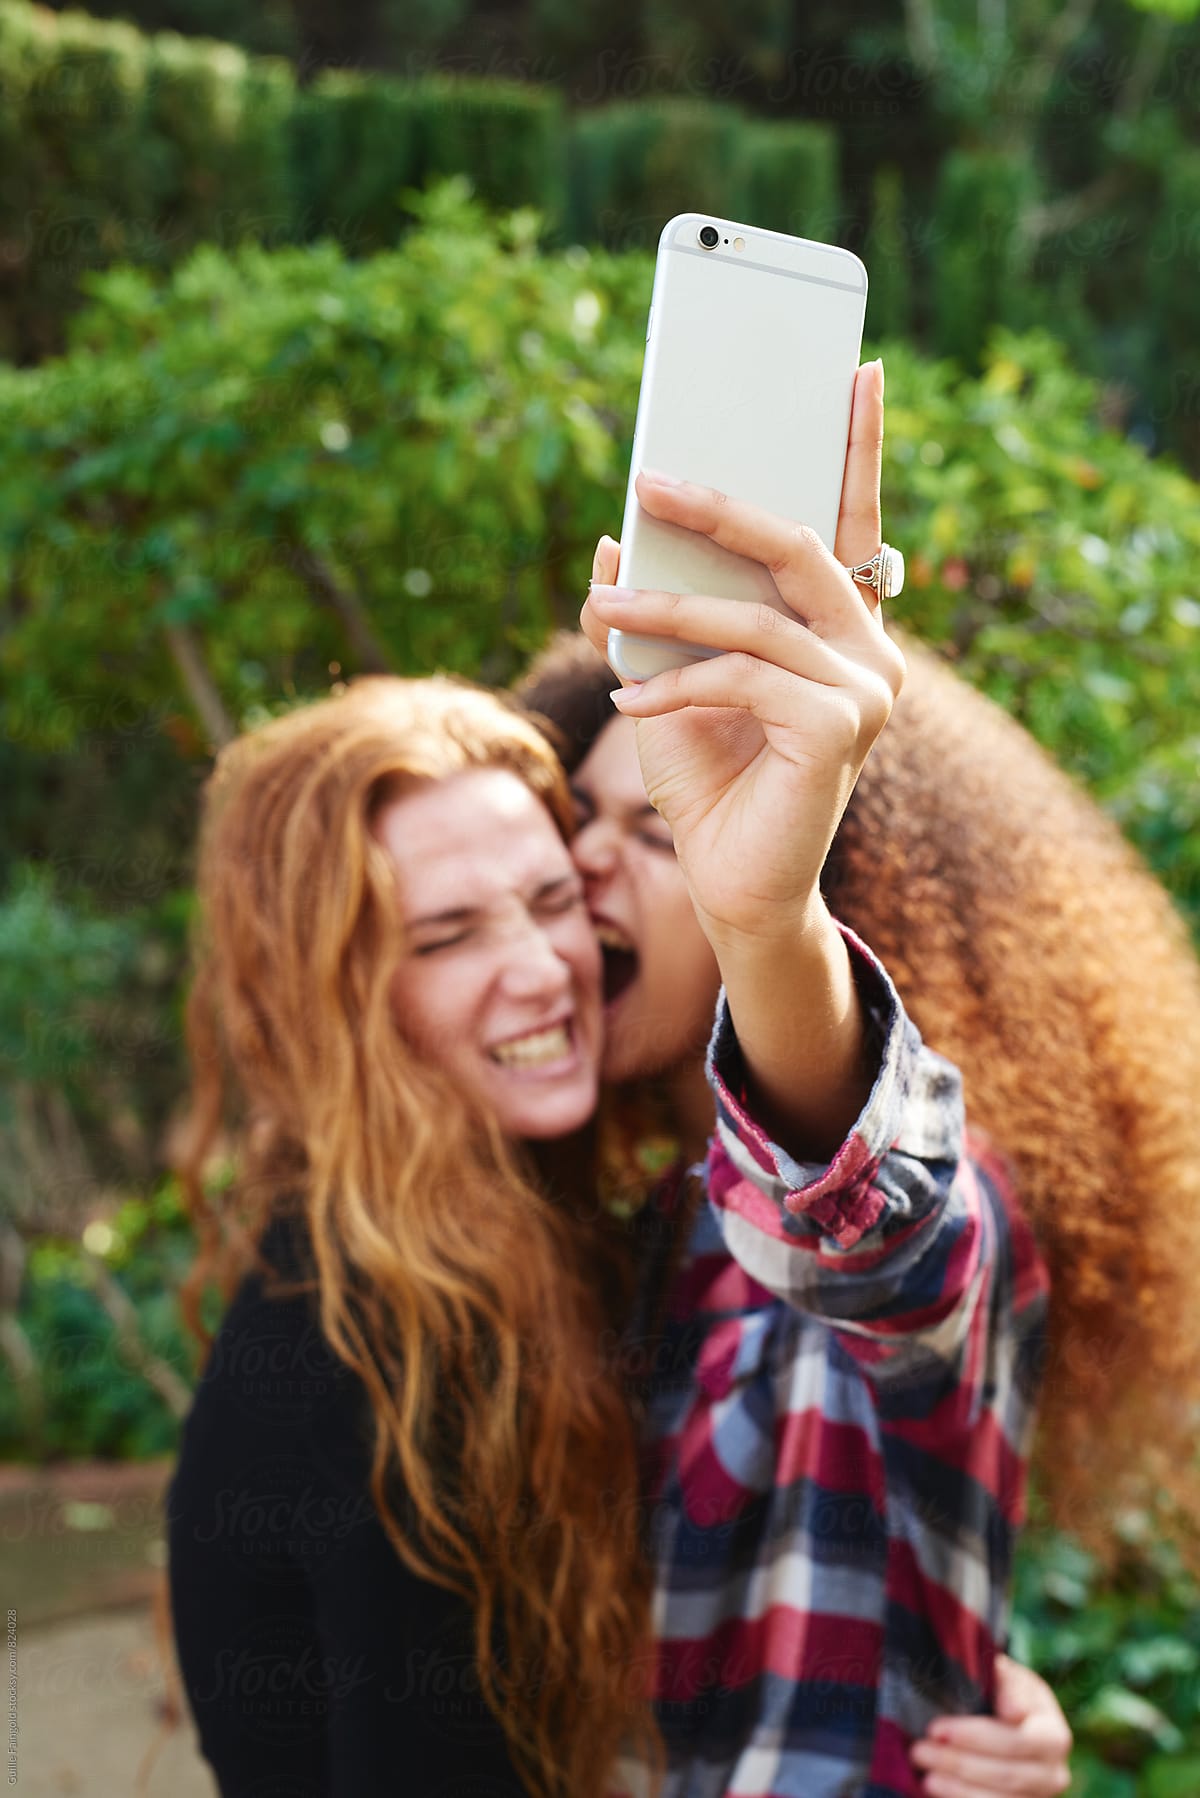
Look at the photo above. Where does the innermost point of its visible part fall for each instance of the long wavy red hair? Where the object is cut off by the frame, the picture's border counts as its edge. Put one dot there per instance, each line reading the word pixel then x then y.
pixel 1034 949
pixel 465 1295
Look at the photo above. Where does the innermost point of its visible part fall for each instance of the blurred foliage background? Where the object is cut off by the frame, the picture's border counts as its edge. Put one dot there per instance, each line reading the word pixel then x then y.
pixel 323 346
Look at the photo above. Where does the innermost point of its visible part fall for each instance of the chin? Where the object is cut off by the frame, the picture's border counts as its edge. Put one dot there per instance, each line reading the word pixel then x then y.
pixel 625 1058
pixel 635 1049
pixel 561 1116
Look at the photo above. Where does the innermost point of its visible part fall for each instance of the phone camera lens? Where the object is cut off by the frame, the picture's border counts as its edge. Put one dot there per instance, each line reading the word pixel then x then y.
pixel 710 237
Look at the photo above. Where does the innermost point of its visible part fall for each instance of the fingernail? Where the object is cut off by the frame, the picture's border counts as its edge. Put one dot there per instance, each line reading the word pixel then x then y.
pixel 621 695
pixel 660 480
pixel 602 592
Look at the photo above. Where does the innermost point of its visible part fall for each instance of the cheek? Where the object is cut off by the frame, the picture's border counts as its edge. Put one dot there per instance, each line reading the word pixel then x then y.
pixel 583 953
pixel 669 933
pixel 433 1008
pixel 679 961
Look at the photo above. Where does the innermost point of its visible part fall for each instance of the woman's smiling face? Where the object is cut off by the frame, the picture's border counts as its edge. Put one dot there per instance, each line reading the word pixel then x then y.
pixel 500 982
pixel 660 975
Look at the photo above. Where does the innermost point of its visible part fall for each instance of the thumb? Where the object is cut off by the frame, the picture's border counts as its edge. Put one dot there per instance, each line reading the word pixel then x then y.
pixel 1012 1691
pixel 606 560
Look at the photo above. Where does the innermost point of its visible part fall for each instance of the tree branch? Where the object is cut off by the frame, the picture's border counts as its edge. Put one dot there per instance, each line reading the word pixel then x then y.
pixel 921 30
pixel 1069 210
pixel 1148 60
pixel 174 1391
pixel 1064 28
pixel 201 688
pixel 15 1345
pixel 45 1164
pixel 328 591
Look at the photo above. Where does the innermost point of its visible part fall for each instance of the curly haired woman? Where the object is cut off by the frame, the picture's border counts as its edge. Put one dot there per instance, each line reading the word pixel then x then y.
pixel 1036 952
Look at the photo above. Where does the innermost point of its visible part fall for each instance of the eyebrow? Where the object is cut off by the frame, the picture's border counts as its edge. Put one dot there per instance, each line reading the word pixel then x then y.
pixel 462 914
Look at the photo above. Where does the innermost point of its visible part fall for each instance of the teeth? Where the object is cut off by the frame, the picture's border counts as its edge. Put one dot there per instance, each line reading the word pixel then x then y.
pixel 540 1046
pixel 612 938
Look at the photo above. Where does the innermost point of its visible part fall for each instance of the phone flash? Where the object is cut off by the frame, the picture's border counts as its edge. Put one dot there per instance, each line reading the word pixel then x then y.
pixel 739 243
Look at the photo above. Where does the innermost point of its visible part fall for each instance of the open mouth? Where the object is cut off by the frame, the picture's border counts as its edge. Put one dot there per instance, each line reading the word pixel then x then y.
pixel 619 958
pixel 536 1049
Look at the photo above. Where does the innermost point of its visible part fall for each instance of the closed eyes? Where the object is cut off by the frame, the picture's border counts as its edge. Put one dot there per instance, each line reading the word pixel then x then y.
pixel 554 905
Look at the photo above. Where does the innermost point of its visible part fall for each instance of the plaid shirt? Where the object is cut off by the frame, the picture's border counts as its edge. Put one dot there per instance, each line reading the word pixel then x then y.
pixel 839 1412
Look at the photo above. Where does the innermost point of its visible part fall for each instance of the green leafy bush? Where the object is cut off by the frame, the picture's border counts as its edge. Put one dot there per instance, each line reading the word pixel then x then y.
pixel 275 465
pixel 57 969
pixel 1051 560
pixel 302 460
pixel 92 1398
pixel 1122 1653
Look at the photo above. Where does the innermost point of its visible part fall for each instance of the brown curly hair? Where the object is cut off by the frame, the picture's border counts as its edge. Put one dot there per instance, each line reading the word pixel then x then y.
pixel 1032 947
pixel 463 1293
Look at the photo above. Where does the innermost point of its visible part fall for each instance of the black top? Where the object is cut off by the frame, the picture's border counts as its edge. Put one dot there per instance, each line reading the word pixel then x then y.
pixel 316 1664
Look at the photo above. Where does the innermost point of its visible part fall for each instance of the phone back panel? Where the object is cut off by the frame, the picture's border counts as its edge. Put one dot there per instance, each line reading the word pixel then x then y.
pixel 747 385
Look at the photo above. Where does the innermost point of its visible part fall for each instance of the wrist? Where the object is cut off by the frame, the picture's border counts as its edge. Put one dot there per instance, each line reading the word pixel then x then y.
pixel 806 1055
pixel 796 930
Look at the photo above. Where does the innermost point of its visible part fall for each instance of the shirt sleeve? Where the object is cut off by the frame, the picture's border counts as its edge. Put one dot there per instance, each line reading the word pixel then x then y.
pixel 895 1242
pixel 909 1244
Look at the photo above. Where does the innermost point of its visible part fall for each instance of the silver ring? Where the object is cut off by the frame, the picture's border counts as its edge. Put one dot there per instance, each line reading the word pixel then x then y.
pixel 884 572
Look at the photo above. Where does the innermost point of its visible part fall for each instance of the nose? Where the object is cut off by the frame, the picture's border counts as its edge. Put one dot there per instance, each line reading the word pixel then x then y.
pixel 533 968
pixel 595 849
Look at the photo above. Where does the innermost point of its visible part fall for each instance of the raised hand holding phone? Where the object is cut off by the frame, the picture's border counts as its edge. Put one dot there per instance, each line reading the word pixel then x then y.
pixel 751 757
pixel 752 344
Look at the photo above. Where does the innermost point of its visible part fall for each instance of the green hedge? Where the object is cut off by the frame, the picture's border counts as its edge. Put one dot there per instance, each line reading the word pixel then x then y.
pixel 886 254
pixel 117 147
pixel 358 143
pixel 788 179
pixel 1173 279
pixel 121 147
pixel 633 165
pixel 636 164
pixel 977 264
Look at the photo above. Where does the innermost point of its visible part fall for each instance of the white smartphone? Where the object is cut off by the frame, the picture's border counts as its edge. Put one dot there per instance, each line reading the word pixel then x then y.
pixel 752 343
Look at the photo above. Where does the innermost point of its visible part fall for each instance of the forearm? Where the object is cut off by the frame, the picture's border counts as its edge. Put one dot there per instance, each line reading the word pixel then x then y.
pixel 900 1240
pixel 803 1033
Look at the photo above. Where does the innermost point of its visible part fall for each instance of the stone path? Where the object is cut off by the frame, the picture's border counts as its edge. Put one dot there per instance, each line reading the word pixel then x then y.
pixel 81 1563
pixel 89 1712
